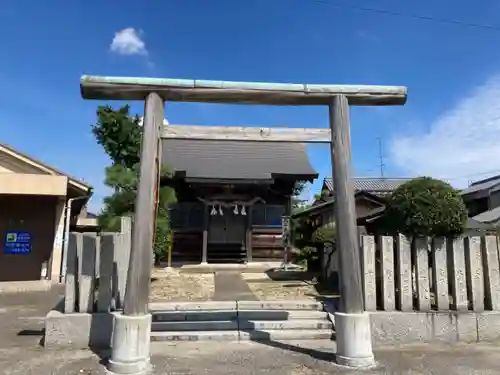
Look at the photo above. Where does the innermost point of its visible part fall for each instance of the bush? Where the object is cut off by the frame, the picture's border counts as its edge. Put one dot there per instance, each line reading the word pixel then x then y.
pixel 163 235
pixel 324 235
pixel 311 245
pixel 307 253
pixel 426 207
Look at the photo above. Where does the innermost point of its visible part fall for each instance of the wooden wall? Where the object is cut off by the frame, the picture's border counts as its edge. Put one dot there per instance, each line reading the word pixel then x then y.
pixel 267 244
pixel 187 246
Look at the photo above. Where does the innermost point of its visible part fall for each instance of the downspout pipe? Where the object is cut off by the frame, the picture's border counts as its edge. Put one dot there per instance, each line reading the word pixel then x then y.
pixel 62 277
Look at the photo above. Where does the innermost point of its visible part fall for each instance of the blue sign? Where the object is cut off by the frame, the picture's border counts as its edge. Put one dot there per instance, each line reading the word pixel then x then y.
pixel 17 242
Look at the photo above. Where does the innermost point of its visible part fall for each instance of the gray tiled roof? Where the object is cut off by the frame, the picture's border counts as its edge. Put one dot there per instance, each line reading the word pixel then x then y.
pixel 487 184
pixel 378 185
pixel 488 216
pixel 236 159
pixel 475 224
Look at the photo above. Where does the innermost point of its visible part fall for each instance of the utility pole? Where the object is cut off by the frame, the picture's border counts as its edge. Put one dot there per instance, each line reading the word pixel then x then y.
pixel 381 157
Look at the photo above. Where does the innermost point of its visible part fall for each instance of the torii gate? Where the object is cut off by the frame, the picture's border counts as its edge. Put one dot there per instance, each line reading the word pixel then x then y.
pixel 131 348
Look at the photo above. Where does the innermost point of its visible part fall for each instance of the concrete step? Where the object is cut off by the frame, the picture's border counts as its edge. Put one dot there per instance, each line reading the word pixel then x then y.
pixel 195 336
pixel 293 334
pixel 282 314
pixel 301 324
pixel 226 325
pixel 192 306
pixel 261 335
pixel 242 324
pixel 235 305
pixel 193 316
pixel 280 305
pixel 222 315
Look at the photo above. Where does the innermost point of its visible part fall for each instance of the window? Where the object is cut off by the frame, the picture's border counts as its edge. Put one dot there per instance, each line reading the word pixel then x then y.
pixel 477 206
pixel 187 216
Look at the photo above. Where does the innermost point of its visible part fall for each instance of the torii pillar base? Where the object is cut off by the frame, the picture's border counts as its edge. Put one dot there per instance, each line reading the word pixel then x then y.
pixel 354 341
pixel 130 352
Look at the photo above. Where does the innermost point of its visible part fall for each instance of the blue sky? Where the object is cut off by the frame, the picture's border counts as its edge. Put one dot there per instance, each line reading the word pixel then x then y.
pixel 450 127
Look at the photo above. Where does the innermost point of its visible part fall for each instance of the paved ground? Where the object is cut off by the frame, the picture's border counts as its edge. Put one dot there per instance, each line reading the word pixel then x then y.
pixel 230 286
pixel 21 324
pixel 252 358
pixel 22 317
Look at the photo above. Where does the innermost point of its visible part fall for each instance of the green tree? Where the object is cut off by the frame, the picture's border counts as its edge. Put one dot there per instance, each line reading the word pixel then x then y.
pixel 297 202
pixel 426 207
pixel 119 134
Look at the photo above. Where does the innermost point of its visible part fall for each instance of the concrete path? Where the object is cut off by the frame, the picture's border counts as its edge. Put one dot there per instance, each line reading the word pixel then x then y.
pixel 22 316
pixel 290 358
pixel 230 286
pixel 21 325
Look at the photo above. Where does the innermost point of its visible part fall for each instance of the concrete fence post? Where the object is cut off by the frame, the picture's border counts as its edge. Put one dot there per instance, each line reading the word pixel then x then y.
pixel 368 270
pixel 386 246
pixel 440 274
pixel 456 252
pixel 492 273
pixel 475 274
pixel 421 261
pixel 403 273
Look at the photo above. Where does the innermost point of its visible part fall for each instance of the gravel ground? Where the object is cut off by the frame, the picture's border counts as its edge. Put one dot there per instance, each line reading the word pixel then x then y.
pixel 173 285
pixel 283 286
pixel 272 291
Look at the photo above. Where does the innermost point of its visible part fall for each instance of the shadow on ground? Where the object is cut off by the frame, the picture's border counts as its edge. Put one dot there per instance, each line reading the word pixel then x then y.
pixel 22 320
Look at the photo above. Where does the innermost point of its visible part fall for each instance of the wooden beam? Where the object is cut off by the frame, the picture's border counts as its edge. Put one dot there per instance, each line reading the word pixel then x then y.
pixel 238 133
pixel 186 90
pixel 351 290
pixel 139 270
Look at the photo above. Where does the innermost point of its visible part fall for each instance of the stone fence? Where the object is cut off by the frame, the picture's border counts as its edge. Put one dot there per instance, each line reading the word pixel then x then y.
pixel 97 265
pixel 430 274
pixel 427 290
pixel 432 289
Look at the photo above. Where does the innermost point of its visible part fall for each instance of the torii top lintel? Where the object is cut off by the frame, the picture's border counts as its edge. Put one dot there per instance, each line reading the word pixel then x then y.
pixel 187 90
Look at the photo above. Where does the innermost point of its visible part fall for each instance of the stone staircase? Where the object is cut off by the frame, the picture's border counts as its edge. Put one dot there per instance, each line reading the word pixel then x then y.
pixel 239 321
pixel 226 253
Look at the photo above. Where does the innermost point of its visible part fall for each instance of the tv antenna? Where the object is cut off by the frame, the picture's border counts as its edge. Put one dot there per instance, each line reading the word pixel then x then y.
pixel 381 156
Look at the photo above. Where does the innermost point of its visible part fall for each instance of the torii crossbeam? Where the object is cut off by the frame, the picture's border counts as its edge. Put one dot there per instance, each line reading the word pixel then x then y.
pixel 130 351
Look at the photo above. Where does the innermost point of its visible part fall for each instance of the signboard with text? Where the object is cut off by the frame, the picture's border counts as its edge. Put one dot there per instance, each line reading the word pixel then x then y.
pixel 285 230
pixel 16 242
pixel 285 225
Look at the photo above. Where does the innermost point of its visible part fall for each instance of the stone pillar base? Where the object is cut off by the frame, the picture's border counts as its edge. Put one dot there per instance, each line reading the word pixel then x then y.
pixel 130 349
pixel 354 341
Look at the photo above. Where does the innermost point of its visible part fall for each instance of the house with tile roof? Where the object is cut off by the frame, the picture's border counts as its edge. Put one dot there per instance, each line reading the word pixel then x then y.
pixel 369 194
pixel 378 186
pixel 231 197
pixel 482 199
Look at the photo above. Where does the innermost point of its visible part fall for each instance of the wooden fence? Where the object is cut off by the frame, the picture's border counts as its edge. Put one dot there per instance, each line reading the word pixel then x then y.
pixel 430 274
pixel 96 273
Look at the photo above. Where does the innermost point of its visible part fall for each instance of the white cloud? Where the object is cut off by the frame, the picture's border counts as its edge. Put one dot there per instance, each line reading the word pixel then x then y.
pixel 461 145
pixel 128 42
